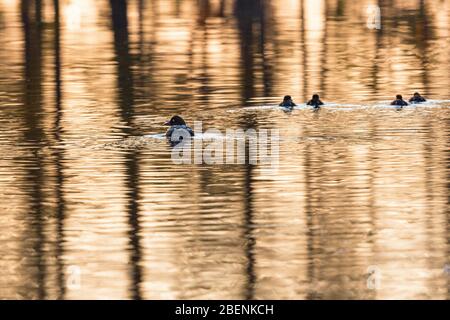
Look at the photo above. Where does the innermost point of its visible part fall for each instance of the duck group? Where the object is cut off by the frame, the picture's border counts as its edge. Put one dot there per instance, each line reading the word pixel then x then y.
pixel 416 98
pixel 178 123
pixel 316 102
pixel 289 103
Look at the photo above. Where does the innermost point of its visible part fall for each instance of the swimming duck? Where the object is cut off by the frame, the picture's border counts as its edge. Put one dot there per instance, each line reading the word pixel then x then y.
pixel 399 101
pixel 417 98
pixel 315 101
pixel 287 102
pixel 177 126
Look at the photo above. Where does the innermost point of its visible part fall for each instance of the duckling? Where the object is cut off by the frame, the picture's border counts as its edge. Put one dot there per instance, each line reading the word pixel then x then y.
pixel 177 126
pixel 315 102
pixel 287 102
pixel 399 101
pixel 417 98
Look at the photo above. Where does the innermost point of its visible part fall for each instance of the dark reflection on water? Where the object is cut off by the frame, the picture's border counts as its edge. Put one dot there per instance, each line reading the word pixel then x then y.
pixel 126 102
pixel 360 187
pixel 59 156
pixel 33 135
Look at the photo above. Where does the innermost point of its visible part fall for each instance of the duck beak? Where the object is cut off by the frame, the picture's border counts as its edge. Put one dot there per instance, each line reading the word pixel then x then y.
pixel 167 123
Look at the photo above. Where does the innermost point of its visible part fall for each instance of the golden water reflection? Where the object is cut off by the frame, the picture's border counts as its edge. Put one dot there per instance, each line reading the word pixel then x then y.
pixel 356 189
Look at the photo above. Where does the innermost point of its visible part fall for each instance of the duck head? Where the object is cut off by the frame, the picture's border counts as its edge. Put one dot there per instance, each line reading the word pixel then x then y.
pixel 287 99
pixel 175 121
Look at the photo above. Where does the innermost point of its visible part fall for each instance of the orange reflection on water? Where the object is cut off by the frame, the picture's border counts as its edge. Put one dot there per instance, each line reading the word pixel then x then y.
pixel 359 186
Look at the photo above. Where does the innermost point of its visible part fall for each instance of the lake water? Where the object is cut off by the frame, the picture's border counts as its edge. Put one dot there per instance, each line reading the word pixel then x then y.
pixel 94 207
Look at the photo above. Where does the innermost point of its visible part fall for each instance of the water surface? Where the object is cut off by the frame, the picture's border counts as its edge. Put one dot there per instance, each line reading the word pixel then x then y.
pixel 92 207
